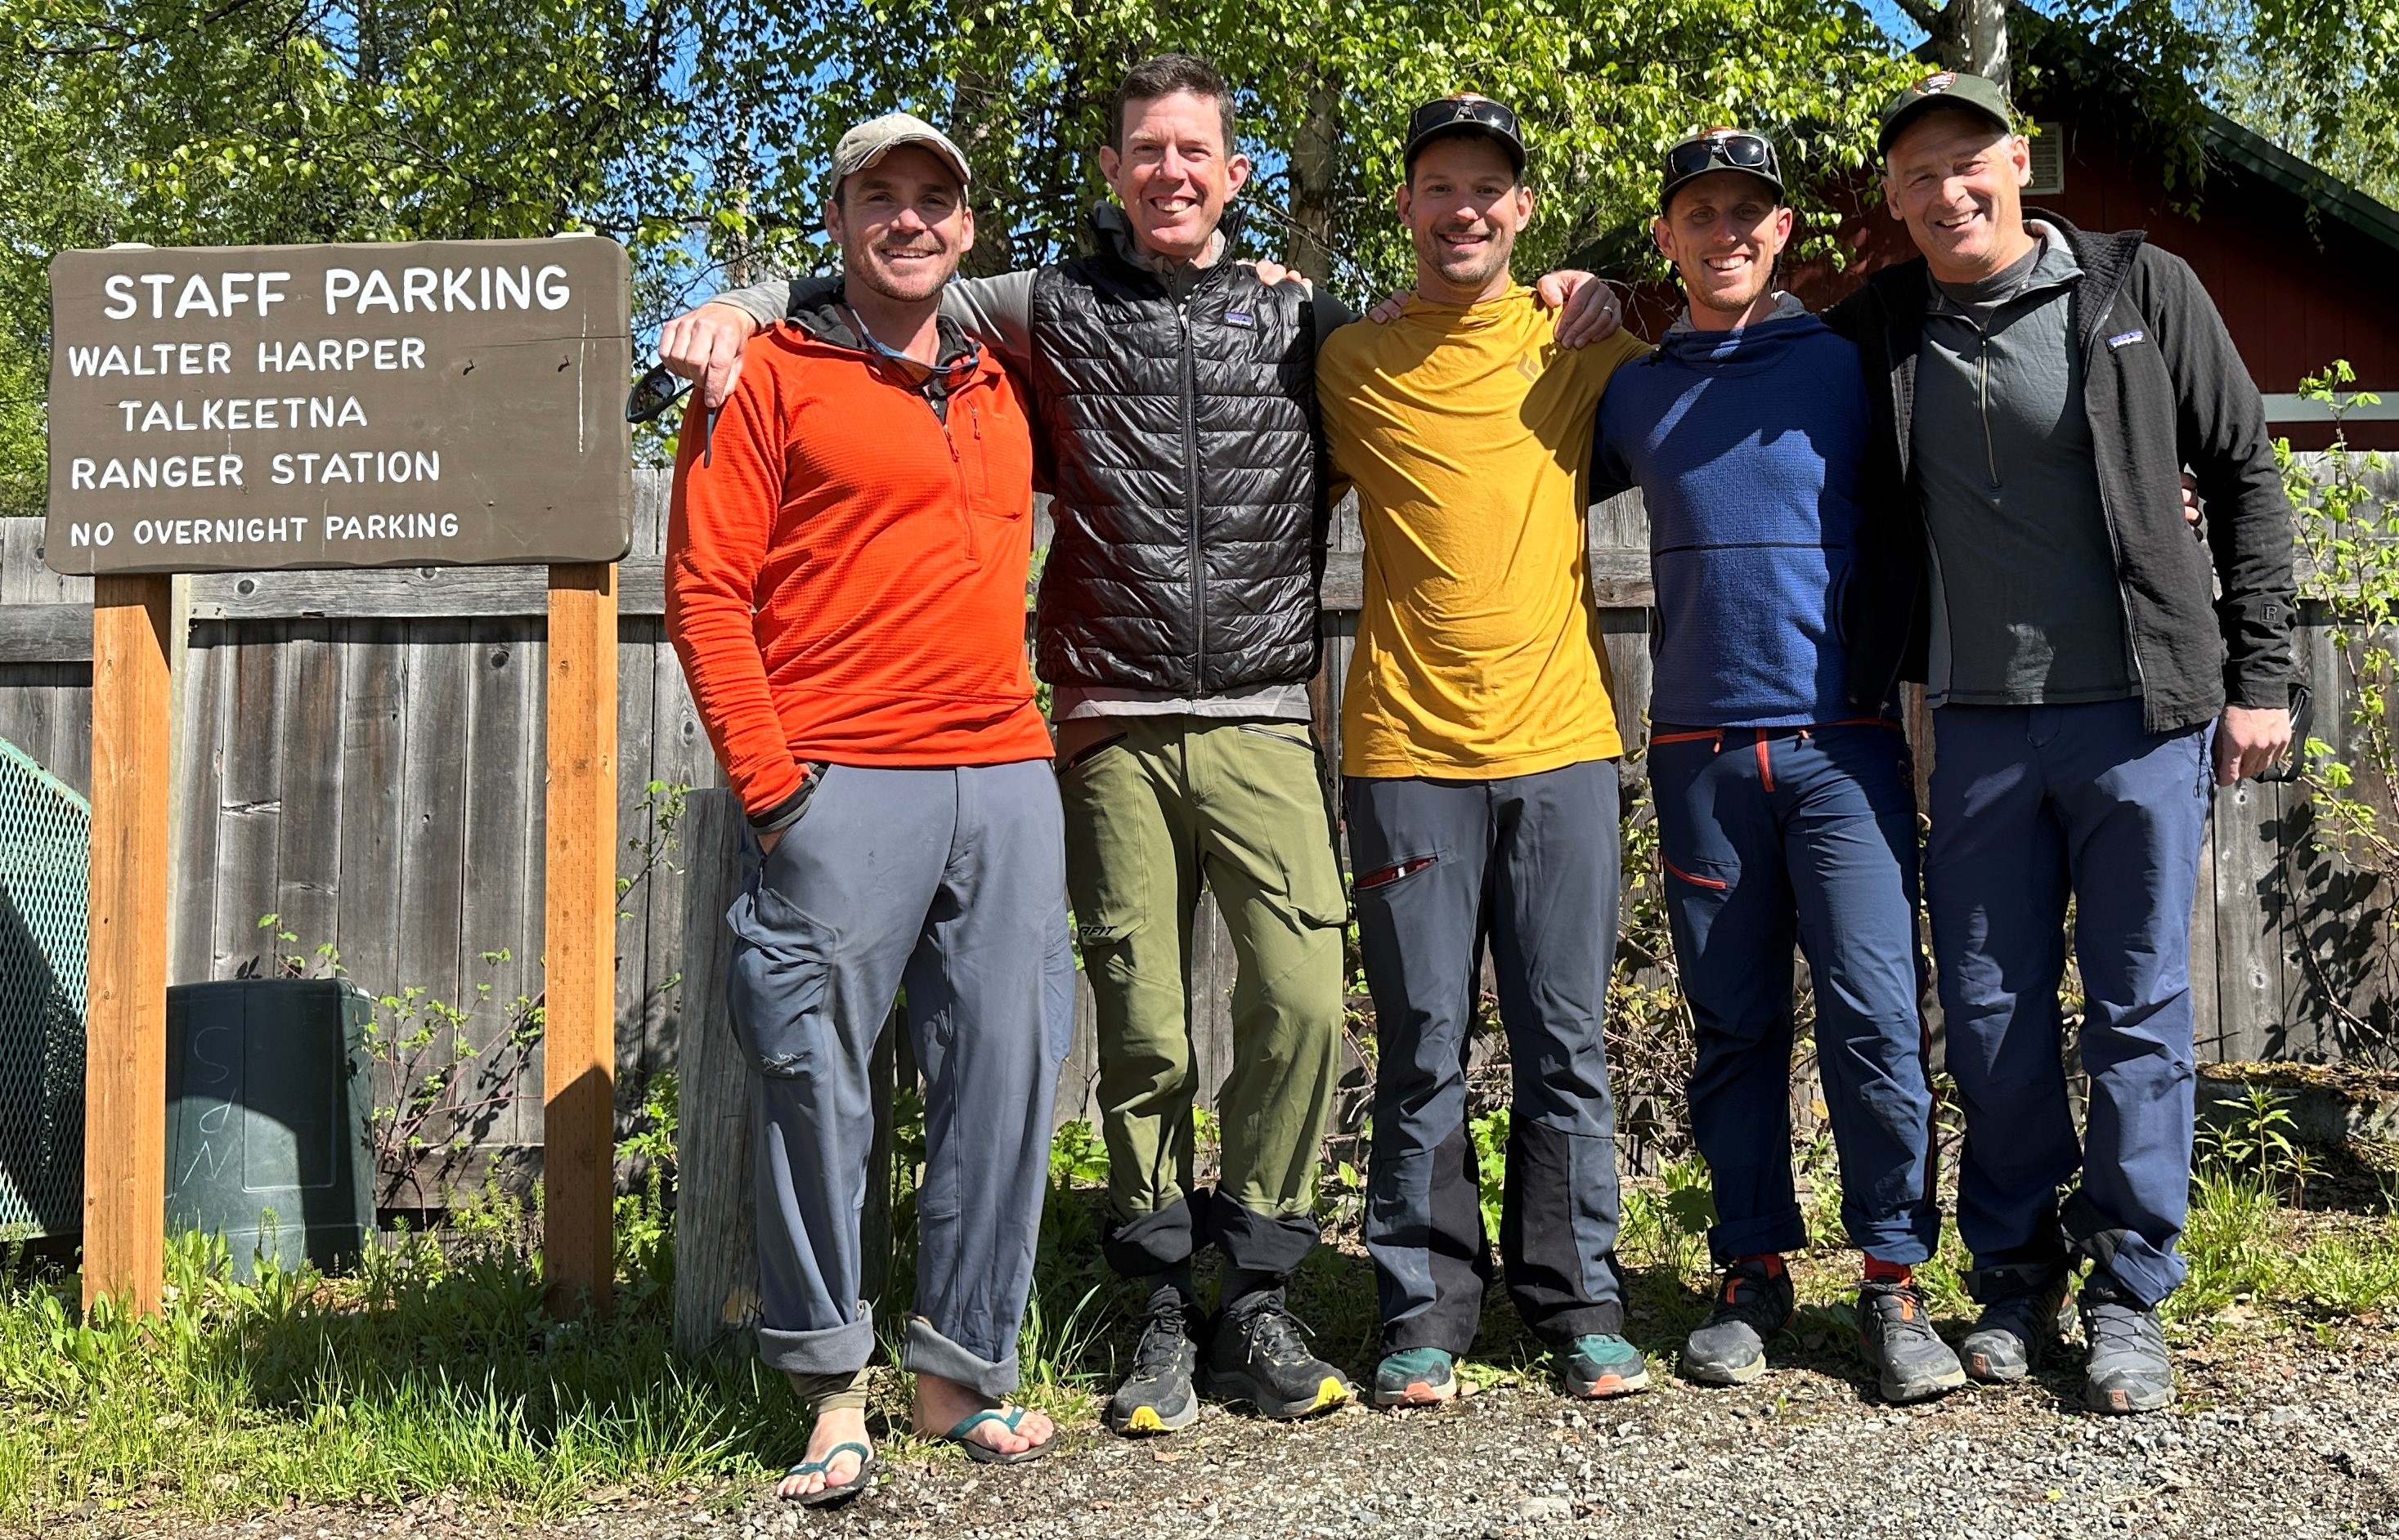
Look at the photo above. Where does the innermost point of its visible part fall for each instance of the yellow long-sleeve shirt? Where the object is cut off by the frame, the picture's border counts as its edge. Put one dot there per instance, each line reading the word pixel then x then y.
pixel 1466 432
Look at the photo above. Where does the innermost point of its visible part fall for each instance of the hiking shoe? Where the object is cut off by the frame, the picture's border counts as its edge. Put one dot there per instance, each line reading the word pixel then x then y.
pixel 2017 1329
pixel 1897 1338
pixel 1602 1365
pixel 2126 1369
pixel 1255 1355
pixel 1416 1376
pixel 1157 1397
pixel 1753 1304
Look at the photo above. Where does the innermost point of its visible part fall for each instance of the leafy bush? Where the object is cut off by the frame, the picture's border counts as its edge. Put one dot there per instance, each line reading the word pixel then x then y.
pixel 2351 539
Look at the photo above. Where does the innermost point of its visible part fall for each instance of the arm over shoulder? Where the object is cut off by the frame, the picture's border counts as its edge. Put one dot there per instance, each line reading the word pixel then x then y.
pixel 765 303
pixel 997 312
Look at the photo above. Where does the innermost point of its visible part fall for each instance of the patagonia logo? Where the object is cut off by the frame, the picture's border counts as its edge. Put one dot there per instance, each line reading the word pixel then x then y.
pixel 2126 339
pixel 1240 318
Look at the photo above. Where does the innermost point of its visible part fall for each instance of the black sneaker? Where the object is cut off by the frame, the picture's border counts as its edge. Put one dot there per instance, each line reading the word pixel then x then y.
pixel 1754 1302
pixel 1157 1397
pixel 2017 1328
pixel 1897 1338
pixel 2126 1368
pixel 1256 1355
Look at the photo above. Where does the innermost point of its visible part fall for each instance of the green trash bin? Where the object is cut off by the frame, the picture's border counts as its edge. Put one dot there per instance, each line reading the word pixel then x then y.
pixel 268 1090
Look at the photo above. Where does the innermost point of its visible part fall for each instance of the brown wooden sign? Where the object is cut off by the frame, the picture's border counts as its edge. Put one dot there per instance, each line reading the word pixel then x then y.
pixel 252 408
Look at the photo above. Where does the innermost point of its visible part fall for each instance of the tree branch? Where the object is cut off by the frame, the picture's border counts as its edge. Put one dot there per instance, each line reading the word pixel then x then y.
pixel 1923 13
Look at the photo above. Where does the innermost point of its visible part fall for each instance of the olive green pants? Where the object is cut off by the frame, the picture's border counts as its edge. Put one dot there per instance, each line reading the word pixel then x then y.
pixel 1156 806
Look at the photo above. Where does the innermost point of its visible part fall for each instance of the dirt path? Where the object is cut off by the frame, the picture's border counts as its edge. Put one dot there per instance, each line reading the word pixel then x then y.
pixel 2286 1437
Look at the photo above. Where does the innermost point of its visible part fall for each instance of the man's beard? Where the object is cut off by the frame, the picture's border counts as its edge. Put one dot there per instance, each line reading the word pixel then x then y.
pixel 1476 271
pixel 904 292
pixel 1729 302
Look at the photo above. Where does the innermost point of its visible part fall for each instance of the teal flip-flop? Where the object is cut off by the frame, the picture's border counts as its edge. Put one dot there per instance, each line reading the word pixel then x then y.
pixel 1007 1417
pixel 824 1496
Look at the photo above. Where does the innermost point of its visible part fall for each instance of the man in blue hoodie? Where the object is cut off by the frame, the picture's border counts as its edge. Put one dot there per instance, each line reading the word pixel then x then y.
pixel 1782 783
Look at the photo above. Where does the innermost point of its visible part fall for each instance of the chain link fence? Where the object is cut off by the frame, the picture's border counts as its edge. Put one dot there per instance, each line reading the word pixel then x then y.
pixel 44 890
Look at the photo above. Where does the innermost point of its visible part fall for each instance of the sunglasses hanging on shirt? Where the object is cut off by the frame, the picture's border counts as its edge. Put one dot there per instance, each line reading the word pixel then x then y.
pixel 914 372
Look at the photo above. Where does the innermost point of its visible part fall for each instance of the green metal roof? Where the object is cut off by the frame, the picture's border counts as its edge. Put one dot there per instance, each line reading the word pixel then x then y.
pixel 2250 151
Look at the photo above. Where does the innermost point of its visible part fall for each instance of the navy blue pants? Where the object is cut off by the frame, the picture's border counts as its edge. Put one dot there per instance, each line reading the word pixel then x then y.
pixel 1528 865
pixel 1778 835
pixel 2030 805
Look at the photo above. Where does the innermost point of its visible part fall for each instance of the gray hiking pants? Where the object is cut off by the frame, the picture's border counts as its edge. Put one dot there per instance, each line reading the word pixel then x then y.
pixel 951 883
pixel 1527 863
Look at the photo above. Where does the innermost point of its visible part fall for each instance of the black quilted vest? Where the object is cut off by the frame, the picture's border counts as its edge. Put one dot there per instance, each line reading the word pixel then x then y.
pixel 1179 417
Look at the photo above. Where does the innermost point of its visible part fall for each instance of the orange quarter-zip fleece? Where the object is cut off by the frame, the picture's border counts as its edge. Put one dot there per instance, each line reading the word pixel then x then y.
pixel 846 575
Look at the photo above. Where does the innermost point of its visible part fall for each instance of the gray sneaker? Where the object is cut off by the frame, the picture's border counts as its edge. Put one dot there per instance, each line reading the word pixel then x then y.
pixel 2017 1328
pixel 1256 1354
pixel 1754 1302
pixel 1157 1397
pixel 2126 1370
pixel 1897 1338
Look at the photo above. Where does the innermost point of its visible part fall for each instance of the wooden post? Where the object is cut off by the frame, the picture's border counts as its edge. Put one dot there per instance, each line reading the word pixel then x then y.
pixel 579 941
pixel 125 1077
pixel 716 1243
pixel 874 1218
pixel 717 1252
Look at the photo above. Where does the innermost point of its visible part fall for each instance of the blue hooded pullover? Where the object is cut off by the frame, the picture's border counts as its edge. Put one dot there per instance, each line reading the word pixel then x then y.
pixel 1746 446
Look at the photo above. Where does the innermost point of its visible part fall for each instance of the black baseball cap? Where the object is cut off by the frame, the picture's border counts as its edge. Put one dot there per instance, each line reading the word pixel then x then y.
pixel 1720 150
pixel 1464 112
pixel 1976 94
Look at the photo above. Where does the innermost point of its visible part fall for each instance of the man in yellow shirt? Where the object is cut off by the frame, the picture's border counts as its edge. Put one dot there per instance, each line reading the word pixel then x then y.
pixel 1477 742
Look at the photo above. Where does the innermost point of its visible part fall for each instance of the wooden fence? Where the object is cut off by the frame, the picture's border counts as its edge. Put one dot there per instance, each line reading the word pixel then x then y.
pixel 363 759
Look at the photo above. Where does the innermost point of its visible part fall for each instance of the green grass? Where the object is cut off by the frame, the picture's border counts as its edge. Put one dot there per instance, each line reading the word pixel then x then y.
pixel 424 1374
pixel 434 1368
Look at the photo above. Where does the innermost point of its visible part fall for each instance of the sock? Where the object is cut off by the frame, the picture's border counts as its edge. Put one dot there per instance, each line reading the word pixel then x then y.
pixel 1240 1284
pixel 1773 1260
pixel 1879 1271
pixel 823 1393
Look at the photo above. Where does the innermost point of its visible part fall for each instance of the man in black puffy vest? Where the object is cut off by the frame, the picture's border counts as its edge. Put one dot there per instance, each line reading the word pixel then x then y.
pixel 1176 398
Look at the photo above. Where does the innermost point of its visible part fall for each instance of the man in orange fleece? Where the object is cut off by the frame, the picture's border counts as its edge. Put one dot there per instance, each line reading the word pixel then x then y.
pixel 845 588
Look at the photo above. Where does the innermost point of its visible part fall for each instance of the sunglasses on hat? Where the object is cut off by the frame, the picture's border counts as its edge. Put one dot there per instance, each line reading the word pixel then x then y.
pixel 1736 151
pixel 1466 110
pixel 1719 150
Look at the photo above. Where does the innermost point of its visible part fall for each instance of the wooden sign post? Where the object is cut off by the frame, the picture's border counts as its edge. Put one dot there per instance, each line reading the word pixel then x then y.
pixel 124 1014
pixel 579 946
pixel 281 408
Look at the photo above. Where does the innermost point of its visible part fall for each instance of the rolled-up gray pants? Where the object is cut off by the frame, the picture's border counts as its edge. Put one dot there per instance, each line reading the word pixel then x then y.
pixel 951 882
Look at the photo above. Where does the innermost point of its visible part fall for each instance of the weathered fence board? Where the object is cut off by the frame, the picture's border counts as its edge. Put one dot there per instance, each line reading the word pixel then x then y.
pixel 715 1250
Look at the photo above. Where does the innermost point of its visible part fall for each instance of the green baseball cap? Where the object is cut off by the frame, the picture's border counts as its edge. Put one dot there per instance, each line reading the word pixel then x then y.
pixel 1973 93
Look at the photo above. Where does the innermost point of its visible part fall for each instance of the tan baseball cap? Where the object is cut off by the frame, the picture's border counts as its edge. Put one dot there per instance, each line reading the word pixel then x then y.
pixel 869 143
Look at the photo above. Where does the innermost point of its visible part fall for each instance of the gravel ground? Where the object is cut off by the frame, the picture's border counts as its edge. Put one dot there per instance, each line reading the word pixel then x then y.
pixel 2287 1436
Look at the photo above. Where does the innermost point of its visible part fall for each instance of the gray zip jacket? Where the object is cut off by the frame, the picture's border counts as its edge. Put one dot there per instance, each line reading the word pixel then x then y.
pixel 2163 386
